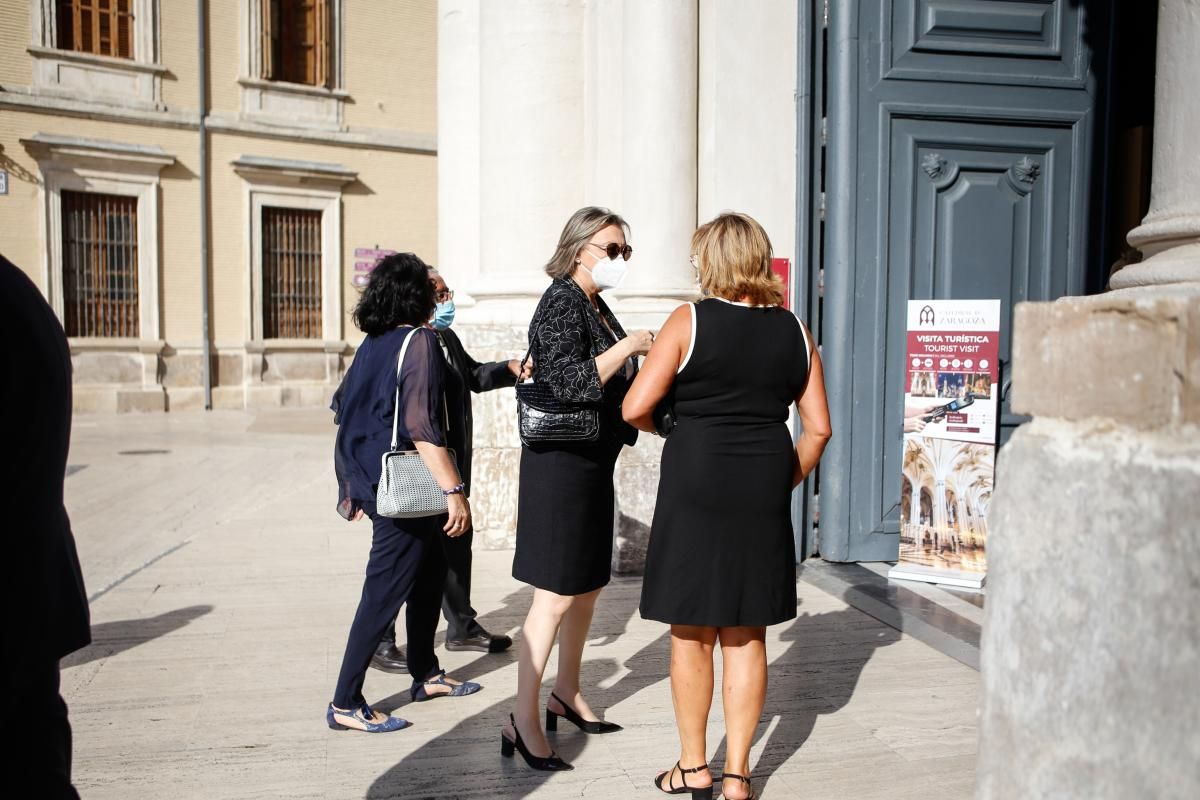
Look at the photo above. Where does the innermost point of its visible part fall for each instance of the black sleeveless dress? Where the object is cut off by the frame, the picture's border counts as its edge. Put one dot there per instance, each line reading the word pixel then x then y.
pixel 721 549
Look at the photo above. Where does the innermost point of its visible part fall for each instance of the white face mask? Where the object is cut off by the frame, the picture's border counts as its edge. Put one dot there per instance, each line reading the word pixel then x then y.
pixel 608 274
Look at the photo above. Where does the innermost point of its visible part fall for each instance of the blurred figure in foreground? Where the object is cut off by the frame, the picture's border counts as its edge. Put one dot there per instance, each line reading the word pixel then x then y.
pixel 45 606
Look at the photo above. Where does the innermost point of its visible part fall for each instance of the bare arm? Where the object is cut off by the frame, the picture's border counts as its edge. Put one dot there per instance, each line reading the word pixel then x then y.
pixel 658 373
pixel 444 471
pixel 612 360
pixel 815 427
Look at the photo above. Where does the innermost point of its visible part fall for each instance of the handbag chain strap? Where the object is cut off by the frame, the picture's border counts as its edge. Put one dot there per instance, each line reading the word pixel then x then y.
pixel 396 410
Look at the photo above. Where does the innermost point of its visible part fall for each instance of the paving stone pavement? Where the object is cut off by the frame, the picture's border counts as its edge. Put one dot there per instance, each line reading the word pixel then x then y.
pixel 224 585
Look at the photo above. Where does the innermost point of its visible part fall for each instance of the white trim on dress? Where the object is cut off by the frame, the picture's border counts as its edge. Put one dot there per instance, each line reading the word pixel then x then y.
pixel 691 343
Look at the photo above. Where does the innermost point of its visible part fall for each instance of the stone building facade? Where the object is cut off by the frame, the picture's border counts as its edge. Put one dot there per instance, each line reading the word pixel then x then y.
pixel 314 152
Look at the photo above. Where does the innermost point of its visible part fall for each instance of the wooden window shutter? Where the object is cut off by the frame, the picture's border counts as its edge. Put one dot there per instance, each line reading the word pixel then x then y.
pixel 101 27
pixel 321 43
pixel 268 33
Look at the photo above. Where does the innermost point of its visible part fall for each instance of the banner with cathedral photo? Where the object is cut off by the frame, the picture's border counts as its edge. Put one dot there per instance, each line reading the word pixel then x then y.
pixel 951 409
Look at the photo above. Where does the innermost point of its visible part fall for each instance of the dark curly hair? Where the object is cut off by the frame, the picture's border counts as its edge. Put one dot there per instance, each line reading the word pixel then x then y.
pixel 398 293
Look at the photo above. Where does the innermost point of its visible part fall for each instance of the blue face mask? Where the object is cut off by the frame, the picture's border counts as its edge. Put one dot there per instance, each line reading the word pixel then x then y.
pixel 443 315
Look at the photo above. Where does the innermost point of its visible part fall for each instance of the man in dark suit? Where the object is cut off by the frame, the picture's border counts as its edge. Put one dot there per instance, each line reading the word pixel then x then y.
pixel 45 608
pixel 465 375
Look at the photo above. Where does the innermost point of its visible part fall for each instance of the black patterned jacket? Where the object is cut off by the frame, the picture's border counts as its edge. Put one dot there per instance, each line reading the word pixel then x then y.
pixel 565 337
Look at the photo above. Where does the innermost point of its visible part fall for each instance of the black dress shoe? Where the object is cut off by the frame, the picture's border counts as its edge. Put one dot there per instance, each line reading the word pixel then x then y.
pixel 390 658
pixel 481 643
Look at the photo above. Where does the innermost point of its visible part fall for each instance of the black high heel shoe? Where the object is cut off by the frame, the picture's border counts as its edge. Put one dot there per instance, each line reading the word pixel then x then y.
pixel 551 763
pixel 743 779
pixel 585 725
pixel 697 792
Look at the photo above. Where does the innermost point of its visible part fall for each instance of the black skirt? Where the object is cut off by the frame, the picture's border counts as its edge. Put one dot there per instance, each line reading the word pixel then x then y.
pixel 565 517
pixel 721 551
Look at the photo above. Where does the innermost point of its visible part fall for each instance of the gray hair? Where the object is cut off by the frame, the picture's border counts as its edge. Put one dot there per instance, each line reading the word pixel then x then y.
pixel 582 226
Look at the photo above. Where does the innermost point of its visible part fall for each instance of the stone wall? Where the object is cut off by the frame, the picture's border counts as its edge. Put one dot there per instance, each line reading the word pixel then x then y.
pixel 1092 627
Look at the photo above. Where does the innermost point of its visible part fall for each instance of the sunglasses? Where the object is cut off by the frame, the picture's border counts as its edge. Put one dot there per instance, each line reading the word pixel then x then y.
pixel 612 250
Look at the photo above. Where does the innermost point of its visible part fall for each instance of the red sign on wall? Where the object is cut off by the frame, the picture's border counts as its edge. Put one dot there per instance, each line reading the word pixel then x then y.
pixel 783 268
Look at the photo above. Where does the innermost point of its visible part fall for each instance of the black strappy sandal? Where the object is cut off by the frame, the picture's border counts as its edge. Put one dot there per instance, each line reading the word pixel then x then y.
pixel 697 792
pixel 744 780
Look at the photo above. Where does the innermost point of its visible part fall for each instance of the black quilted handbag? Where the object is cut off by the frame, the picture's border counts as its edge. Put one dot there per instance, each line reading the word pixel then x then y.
pixel 544 419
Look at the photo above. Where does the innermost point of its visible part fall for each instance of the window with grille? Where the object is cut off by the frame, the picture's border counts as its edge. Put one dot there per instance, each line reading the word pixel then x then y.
pixel 100 264
pixel 291 273
pixel 101 27
pixel 296 41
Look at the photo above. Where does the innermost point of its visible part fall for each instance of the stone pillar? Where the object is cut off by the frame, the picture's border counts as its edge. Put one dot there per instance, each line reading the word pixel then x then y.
pixel 531 152
pixel 1169 236
pixel 1092 626
pixel 458 141
pixel 658 59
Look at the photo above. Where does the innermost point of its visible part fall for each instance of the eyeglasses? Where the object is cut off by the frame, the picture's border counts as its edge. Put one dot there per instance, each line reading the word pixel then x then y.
pixel 444 295
pixel 612 250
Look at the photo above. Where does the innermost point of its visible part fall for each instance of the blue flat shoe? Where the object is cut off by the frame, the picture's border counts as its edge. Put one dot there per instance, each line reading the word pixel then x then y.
pixel 420 695
pixel 362 719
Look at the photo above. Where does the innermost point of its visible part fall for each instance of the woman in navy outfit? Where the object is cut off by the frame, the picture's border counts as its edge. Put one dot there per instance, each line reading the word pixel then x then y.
pixel 407 563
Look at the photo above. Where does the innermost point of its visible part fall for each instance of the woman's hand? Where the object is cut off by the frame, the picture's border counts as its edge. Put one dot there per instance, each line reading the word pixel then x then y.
pixel 459 510
pixel 639 342
pixel 658 372
pixel 519 371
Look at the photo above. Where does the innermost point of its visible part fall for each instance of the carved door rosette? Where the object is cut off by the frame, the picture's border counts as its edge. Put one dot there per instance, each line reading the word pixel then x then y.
pixel 1023 174
pixel 941 171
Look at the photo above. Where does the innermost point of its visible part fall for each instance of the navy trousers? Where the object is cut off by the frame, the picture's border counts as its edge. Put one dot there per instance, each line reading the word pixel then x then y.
pixel 407 566
pixel 456 600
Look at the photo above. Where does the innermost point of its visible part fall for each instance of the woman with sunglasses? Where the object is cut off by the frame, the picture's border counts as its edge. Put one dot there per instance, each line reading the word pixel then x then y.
pixel 565 501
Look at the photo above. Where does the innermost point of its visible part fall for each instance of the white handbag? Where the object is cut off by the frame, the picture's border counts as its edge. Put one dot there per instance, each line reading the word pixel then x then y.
pixel 407 488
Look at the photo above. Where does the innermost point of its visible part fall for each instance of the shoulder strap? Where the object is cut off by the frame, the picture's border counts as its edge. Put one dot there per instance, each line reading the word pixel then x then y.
pixel 692 341
pixel 808 348
pixel 396 408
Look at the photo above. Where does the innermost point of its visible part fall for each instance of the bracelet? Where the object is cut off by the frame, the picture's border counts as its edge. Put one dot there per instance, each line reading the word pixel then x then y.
pixel 462 487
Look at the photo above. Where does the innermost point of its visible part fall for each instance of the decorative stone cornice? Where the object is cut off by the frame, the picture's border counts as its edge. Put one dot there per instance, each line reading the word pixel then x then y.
pixel 263 169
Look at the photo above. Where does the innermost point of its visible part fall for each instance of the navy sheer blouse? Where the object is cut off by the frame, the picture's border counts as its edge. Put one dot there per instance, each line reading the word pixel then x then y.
pixel 363 406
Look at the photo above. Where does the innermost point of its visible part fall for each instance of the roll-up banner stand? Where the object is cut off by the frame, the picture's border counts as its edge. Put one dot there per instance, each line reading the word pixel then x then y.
pixel 951 409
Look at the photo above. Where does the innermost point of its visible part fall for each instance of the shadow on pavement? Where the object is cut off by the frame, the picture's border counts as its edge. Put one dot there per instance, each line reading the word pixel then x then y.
pixel 473 745
pixel 815 675
pixel 110 638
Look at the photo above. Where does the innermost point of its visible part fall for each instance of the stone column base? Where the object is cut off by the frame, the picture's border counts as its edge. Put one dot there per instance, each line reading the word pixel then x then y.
pixel 1092 625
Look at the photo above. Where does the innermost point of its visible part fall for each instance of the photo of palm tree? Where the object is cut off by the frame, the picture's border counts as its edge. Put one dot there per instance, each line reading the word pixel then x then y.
pixel 944 502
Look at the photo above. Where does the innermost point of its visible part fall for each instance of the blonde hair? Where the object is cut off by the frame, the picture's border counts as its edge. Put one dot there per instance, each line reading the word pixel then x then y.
pixel 580 228
pixel 734 257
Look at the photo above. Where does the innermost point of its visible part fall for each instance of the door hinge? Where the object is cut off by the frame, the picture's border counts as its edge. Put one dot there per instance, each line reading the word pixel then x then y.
pixel 821 207
pixel 825 13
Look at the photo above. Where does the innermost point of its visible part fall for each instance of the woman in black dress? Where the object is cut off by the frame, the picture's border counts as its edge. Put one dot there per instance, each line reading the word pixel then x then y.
pixel 721 563
pixel 407 563
pixel 565 501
